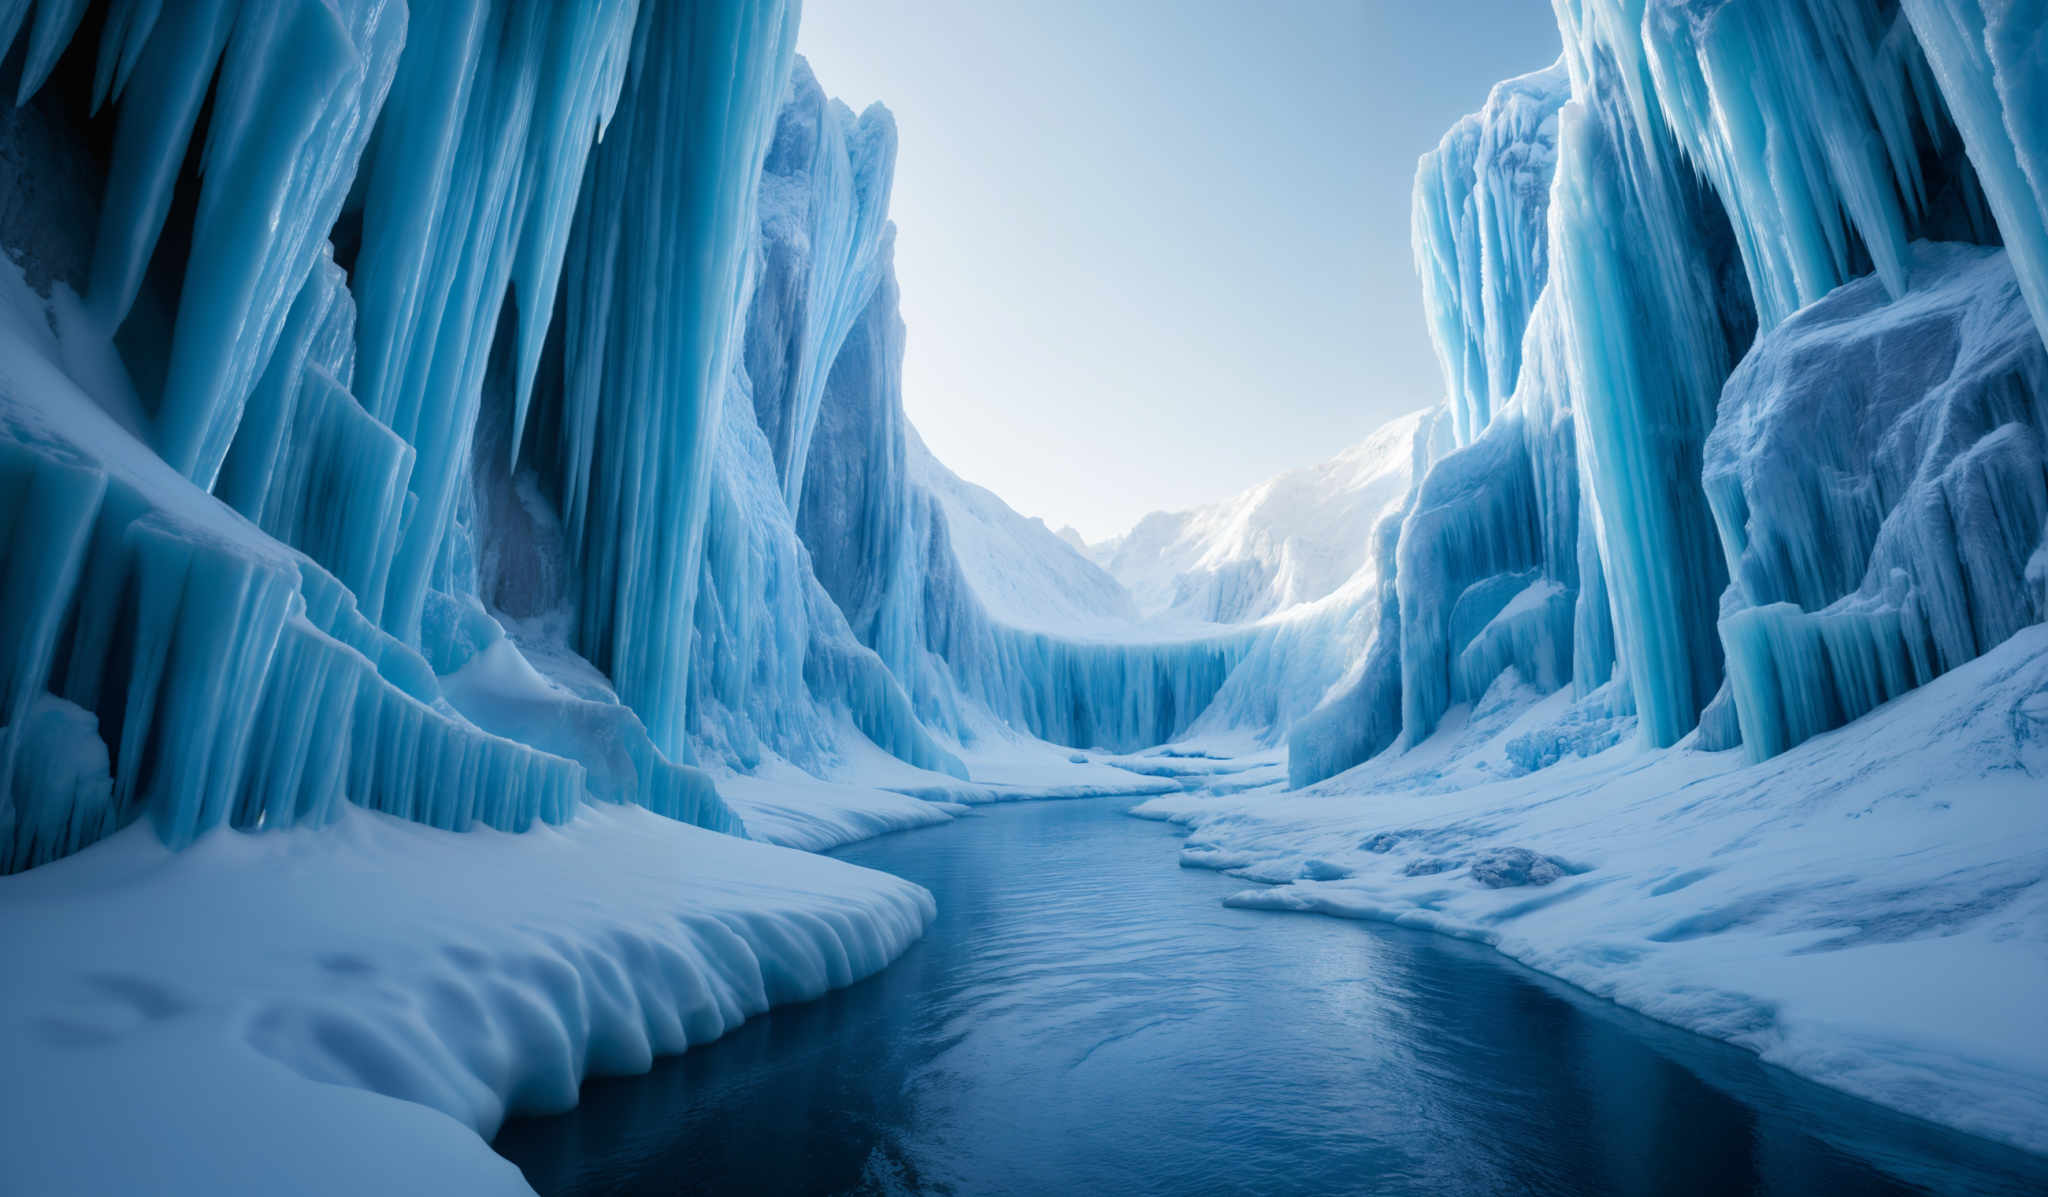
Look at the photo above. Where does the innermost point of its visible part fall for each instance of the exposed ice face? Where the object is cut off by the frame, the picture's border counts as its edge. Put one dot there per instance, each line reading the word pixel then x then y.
pixel 1879 478
pixel 823 245
pixel 1481 239
pixel 255 674
pixel 1599 246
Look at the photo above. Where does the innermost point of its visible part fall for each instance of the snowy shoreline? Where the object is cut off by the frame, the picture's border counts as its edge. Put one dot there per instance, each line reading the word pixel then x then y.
pixel 1881 935
pixel 376 981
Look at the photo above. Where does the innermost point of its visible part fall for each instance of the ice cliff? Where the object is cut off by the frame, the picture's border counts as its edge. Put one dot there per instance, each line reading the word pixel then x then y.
pixel 246 548
pixel 1739 311
pixel 474 411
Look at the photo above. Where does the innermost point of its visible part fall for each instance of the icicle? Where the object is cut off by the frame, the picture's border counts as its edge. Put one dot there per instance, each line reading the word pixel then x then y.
pixel 1992 64
pixel 1811 119
pixel 300 84
pixel 653 289
pixel 1479 233
pixel 493 111
pixel 1868 561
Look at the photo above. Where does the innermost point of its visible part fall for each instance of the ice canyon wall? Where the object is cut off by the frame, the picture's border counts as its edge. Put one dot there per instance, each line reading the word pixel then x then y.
pixel 471 410
pixel 1739 313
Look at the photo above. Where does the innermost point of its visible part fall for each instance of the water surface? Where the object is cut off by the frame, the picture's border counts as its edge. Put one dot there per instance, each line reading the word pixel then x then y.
pixel 1084 1017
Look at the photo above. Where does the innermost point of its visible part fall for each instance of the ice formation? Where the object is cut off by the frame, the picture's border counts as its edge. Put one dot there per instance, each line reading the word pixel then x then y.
pixel 1480 235
pixel 257 570
pixel 1694 231
pixel 482 409
pixel 1894 548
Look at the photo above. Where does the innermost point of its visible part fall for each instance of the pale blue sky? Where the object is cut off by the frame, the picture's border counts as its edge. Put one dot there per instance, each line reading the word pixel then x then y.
pixel 1153 251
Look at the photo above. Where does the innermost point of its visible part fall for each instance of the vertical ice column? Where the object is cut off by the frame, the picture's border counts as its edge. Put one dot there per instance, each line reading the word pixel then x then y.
pixel 1651 288
pixel 1991 59
pixel 824 212
pixel 310 466
pixel 1480 239
pixel 469 188
pixel 652 291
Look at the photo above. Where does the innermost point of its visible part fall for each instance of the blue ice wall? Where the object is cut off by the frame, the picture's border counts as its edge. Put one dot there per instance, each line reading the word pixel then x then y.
pixel 824 221
pixel 652 293
pixel 778 670
pixel 1880 482
pixel 1724 167
pixel 265 579
pixel 1655 303
pixel 1480 233
pixel 1488 563
pixel 880 547
pixel 469 185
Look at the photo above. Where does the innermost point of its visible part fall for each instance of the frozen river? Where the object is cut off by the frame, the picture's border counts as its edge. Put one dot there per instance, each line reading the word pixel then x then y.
pixel 1084 1017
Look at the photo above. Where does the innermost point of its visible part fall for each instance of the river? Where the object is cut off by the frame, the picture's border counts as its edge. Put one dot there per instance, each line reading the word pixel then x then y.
pixel 1084 1017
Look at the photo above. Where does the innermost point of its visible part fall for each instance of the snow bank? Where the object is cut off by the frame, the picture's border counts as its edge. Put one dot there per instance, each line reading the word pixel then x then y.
pixel 380 983
pixel 1866 909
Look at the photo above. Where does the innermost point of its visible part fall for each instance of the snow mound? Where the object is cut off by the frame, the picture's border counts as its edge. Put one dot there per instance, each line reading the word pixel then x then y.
pixel 379 966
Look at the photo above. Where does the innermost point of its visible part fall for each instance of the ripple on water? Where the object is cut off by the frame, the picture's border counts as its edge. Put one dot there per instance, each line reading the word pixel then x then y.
pixel 1085 1016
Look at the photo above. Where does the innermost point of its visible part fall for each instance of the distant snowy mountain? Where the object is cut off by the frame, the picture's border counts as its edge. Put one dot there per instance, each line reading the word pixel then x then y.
pixel 1292 539
pixel 1024 573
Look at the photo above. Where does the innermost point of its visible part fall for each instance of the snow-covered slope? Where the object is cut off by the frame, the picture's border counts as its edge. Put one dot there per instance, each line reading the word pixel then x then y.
pixel 1025 574
pixel 1292 539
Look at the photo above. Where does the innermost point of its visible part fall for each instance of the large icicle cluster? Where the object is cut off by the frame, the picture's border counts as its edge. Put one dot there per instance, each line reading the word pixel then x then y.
pixel 653 291
pixel 1749 367
pixel 1481 247
pixel 250 578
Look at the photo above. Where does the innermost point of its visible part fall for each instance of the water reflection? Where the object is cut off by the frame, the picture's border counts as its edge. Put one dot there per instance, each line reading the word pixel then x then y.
pixel 1083 1017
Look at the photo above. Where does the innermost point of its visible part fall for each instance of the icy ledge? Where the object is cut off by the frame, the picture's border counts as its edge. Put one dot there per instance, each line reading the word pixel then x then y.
pixel 379 995
pixel 1866 910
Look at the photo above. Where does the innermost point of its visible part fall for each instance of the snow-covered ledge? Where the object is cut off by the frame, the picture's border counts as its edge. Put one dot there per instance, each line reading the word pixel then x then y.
pixel 356 1008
